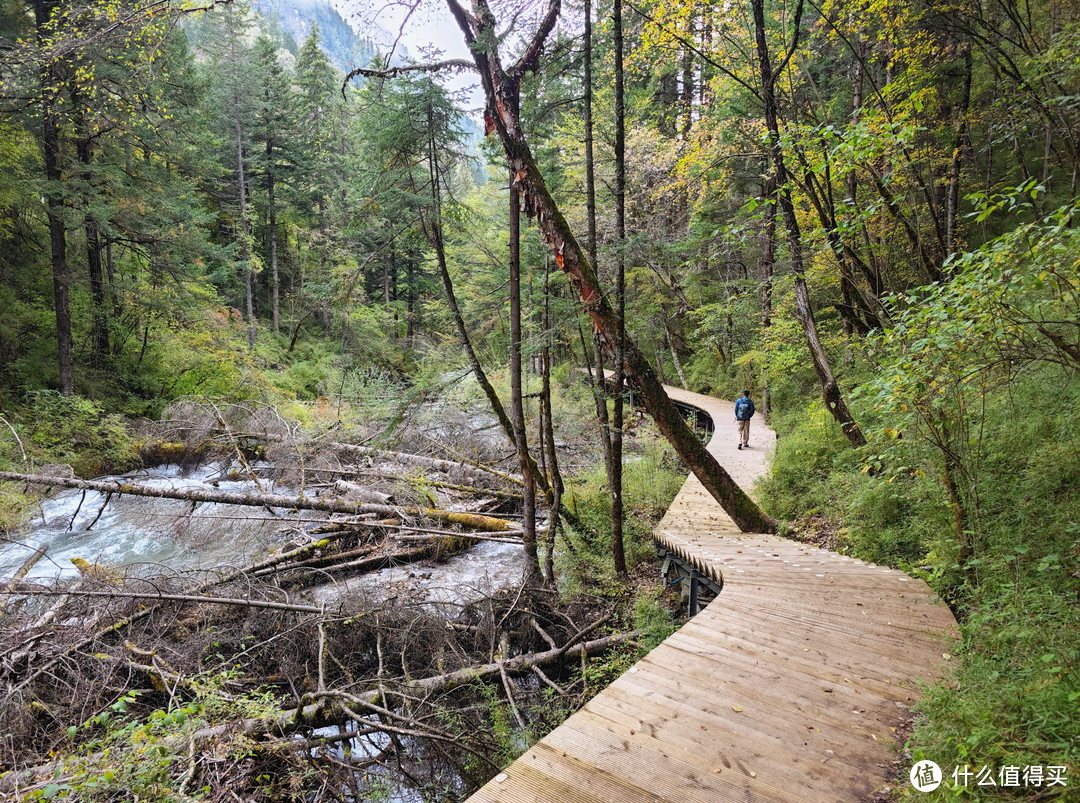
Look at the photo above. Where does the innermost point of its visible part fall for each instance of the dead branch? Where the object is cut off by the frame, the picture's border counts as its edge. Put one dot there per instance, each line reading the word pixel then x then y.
pixel 584 632
pixel 447 466
pixel 393 72
pixel 41 591
pixel 543 633
pixel 469 536
pixel 549 682
pixel 319 714
pixel 121 624
pixel 510 698
pixel 367 564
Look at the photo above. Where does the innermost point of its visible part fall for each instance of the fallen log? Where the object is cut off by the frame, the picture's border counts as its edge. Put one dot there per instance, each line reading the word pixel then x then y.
pixel 435 463
pixel 320 714
pixel 28 590
pixel 309 715
pixel 364 562
pixel 23 570
pixel 424 481
pixel 251 499
pixel 353 492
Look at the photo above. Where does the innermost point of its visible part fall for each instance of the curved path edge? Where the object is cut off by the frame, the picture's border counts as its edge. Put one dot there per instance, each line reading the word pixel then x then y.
pixel 791 686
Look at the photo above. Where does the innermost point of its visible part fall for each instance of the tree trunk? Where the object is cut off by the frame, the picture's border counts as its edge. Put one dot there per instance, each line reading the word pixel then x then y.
pixel 590 161
pixel 768 255
pixel 433 231
pixel 54 212
pixel 615 466
pixel 830 390
pixel 517 405
pixel 596 380
pixel 669 341
pixel 245 239
pixel 99 332
pixel 501 92
pixel 548 425
pixel 271 200
pixel 686 99
pixel 952 211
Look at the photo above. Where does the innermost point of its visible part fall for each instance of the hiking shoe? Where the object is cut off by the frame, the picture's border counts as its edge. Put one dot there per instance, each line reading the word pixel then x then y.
pixel 740 445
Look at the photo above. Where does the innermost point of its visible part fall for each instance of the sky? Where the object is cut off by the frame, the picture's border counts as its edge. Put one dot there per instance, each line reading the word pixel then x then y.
pixel 427 33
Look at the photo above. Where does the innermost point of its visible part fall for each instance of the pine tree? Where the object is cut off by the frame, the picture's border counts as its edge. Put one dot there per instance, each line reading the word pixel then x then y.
pixel 273 126
pixel 235 93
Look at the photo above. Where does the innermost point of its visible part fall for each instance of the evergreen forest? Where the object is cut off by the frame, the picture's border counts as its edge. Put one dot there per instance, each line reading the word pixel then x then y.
pixel 278 239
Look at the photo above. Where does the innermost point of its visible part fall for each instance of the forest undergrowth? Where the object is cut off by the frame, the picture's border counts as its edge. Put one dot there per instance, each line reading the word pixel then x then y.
pixel 133 684
pixel 1010 695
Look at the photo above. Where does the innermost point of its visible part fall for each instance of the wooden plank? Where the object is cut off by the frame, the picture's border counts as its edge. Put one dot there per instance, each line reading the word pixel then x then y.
pixel 659 771
pixel 813 662
pixel 781 715
pixel 717 731
pixel 770 763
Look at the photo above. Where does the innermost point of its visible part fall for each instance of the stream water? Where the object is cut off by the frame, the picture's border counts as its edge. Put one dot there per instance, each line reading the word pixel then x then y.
pixel 145 536
pixel 138 535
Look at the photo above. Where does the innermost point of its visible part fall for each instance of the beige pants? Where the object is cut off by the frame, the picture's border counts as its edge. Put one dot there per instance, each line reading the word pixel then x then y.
pixel 744 432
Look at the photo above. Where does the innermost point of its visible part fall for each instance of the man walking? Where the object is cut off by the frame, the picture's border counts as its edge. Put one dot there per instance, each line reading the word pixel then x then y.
pixel 744 411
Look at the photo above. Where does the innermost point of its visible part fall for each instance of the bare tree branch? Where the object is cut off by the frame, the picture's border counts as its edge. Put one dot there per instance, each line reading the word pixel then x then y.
pixel 394 72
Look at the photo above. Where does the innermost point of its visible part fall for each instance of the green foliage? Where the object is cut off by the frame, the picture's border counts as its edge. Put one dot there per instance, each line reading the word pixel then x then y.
pixel 77 431
pixel 139 752
pixel 651 478
pixel 1012 696
pixel 1010 575
pixel 653 617
pixel 600 672
pixel 15 506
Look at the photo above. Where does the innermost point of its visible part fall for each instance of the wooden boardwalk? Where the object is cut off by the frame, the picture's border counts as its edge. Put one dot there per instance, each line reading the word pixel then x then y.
pixel 790 686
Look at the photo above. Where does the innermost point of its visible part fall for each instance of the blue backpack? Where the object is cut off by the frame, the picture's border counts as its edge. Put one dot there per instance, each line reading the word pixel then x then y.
pixel 744 409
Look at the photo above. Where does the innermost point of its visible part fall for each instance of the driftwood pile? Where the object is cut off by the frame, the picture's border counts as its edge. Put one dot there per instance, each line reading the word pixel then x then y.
pixel 285 698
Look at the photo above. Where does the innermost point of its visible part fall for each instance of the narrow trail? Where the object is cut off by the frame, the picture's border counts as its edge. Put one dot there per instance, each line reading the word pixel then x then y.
pixel 790 686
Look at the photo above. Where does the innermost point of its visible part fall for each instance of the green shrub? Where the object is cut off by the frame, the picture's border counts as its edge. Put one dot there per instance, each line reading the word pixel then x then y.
pixel 1012 696
pixel 651 478
pixel 77 431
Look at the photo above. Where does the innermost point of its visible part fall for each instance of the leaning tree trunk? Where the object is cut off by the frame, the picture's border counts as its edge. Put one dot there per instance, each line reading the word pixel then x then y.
pixel 433 232
pixel 830 389
pixel 501 90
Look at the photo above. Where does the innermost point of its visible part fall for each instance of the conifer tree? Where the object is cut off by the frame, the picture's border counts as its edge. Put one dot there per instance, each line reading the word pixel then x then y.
pixel 235 93
pixel 319 128
pixel 273 126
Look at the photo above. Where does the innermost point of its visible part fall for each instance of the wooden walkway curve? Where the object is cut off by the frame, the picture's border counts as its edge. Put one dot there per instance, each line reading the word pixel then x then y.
pixel 790 686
